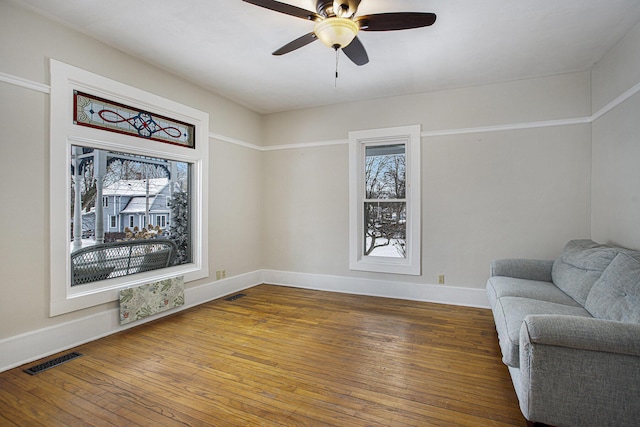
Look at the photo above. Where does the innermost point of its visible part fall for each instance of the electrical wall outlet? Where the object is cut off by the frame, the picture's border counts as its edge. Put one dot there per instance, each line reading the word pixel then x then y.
pixel 224 273
pixel 441 279
pixel 218 274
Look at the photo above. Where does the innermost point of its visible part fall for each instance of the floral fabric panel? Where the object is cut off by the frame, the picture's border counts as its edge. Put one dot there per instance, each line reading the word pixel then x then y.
pixel 146 300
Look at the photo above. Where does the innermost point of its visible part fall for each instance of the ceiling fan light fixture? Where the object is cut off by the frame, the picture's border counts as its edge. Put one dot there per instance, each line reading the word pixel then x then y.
pixel 336 32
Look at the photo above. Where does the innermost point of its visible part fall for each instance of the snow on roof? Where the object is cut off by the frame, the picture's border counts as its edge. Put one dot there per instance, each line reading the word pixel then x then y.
pixel 138 205
pixel 135 187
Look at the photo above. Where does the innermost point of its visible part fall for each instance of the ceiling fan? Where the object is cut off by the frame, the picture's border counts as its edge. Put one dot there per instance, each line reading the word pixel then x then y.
pixel 337 26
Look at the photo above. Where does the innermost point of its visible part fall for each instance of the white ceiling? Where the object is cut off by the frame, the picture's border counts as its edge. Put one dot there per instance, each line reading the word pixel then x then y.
pixel 226 45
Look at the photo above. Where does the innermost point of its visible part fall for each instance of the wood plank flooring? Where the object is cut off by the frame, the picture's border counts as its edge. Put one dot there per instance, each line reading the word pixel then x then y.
pixel 280 357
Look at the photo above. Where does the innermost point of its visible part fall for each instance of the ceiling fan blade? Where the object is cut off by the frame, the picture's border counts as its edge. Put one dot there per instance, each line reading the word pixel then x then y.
pixel 296 44
pixel 356 52
pixel 395 21
pixel 287 9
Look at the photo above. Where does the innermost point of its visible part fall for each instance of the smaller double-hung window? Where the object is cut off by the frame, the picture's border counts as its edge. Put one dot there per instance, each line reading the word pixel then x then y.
pixel 385 200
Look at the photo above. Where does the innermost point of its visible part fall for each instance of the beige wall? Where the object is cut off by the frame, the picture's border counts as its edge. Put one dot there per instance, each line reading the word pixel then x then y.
pixel 306 213
pixel 617 72
pixel 24 218
pixel 235 209
pixel 616 145
pixel 27 41
pixel 485 195
pixel 531 100
pixel 502 195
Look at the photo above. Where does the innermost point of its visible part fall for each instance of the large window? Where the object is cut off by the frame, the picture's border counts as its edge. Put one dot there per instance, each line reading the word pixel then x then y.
pixel 109 191
pixel 140 184
pixel 385 200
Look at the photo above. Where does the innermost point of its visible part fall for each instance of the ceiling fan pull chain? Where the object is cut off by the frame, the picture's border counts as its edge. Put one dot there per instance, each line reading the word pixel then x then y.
pixel 335 82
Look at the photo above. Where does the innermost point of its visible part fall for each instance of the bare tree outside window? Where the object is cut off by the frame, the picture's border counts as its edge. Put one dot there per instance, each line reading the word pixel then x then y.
pixel 385 205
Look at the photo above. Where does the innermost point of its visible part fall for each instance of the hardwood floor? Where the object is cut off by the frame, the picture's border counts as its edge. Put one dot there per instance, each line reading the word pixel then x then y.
pixel 280 356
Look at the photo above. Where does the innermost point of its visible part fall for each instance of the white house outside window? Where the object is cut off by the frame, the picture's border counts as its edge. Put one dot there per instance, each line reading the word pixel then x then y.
pixel 384 198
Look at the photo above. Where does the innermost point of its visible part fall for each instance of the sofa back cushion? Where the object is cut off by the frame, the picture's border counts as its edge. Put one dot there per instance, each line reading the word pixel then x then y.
pixel 579 266
pixel 616 294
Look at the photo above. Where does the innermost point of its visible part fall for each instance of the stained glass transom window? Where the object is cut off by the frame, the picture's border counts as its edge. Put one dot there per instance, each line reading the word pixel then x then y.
pixel 96 112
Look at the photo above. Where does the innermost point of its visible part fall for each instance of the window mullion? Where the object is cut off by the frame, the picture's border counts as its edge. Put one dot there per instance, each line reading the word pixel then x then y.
pixel 385 200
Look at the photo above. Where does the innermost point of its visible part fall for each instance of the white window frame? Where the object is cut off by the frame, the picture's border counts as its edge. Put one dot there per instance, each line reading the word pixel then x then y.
pixel 63 134
pixel 113 222
pixel 358 141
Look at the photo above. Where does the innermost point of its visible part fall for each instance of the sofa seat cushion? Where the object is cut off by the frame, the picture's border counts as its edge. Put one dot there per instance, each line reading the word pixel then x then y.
pixel 509 312
pixel 498 287
pixel 579 266
pixel 616 294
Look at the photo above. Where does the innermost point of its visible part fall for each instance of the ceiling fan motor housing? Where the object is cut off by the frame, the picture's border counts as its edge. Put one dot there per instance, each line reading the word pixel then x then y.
pixel 340 8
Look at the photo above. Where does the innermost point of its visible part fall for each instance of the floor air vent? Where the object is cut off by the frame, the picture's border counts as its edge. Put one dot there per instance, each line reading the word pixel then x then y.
pixel 51 363
pixel 235 297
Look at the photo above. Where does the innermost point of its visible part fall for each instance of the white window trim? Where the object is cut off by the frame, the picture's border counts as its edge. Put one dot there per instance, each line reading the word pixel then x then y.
pixel 64 134
pixel 357 142
pixel 161 220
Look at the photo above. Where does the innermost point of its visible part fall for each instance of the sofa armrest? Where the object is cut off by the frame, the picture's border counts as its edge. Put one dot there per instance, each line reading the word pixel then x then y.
pixel 579 371
pixel 583 333
pixel 520 268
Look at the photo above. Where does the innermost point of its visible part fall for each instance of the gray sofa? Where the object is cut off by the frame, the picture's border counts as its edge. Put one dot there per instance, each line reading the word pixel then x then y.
pixel 569 332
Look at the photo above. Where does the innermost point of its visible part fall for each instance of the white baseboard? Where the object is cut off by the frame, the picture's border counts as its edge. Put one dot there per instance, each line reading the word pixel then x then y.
pixel 469 297
pixel 25 348
pixel 20 349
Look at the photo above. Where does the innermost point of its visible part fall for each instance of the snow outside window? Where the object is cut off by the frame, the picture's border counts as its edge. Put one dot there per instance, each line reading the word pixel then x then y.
pixel 384 198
